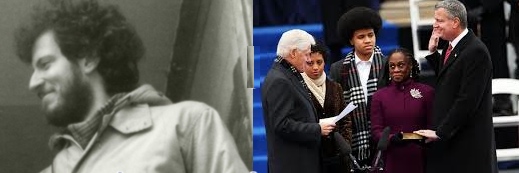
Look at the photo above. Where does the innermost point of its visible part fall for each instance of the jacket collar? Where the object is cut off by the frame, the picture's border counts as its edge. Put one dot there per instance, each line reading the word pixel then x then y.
pixel 456 40
pixel 132 112
pixel 293 78
pixel 298 84
pixel 402 85
pixel 455 51
pixel 132 119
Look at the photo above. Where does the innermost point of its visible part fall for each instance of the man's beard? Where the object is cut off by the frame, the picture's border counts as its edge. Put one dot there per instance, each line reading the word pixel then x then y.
pixel 74 103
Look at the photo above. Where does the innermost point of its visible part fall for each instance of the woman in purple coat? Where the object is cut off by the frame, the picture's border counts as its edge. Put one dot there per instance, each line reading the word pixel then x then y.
pixel 404 105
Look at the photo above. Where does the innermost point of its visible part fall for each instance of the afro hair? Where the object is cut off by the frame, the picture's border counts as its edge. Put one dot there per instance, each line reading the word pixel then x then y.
pixel 355 19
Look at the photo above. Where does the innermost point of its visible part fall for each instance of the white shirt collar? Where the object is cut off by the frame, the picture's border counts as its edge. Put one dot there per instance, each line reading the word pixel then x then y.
pixel 358 60
pixel 454 42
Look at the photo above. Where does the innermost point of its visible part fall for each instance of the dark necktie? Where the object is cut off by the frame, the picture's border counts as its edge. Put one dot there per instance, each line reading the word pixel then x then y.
pixel 447 54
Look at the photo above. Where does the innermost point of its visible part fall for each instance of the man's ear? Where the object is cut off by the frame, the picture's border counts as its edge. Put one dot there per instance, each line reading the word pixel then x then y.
pixel 89 64
pixel 293 53
pixel 457 22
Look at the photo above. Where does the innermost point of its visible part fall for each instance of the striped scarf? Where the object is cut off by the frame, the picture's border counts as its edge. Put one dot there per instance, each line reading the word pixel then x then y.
pixel 353 92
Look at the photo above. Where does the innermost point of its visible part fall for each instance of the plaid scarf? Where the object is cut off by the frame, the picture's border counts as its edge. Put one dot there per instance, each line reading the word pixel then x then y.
pixel 353 92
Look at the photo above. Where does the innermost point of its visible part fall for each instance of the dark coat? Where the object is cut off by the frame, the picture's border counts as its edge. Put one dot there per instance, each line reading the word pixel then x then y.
pixel 291 124
pixel 462 110
pixel 404 107
pixel 333 105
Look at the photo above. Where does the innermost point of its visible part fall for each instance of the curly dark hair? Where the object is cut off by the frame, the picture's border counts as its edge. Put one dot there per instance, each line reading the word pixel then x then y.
pixel 415 70
pixel 355 19
pixel 319 47
pixel 85 29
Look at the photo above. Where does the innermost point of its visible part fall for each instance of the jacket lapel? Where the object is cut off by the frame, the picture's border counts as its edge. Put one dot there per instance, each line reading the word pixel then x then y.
pixel 454 53
pixel 298 85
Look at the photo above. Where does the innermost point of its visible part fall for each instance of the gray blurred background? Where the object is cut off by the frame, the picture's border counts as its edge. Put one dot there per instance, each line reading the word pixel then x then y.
pixel 195 50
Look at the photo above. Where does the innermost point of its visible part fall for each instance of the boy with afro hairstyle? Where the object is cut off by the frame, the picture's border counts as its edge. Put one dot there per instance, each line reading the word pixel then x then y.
pixel 358 73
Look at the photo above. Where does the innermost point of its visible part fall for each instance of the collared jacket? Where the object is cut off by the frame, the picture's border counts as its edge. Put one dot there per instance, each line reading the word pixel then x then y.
pixel 146 133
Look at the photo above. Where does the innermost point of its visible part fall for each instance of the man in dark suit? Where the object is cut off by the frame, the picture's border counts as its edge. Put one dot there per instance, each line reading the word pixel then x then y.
pixel 293 129
pixel 462 135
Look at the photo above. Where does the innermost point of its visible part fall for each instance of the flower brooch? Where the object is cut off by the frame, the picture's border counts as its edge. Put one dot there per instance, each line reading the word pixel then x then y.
pixel 415 93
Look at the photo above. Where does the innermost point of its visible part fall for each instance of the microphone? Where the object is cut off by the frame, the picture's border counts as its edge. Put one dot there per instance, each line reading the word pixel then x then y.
pixel 381 146
pixel 345 148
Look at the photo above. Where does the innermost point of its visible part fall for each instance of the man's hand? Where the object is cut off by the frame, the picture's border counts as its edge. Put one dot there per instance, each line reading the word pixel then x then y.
pixel 326 127
pixel 433 41
pixel 429 134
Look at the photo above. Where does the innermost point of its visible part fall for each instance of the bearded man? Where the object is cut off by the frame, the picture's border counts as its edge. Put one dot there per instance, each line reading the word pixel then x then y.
pixel 84 57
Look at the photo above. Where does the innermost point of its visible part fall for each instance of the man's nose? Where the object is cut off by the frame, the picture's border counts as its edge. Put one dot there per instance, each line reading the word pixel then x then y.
pixel 35 82
pixel 367 39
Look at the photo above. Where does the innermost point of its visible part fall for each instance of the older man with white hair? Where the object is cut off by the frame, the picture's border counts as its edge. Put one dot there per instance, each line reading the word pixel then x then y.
pixel 293 129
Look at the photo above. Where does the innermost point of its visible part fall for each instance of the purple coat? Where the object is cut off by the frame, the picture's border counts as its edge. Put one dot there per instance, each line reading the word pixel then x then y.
pixel 404 107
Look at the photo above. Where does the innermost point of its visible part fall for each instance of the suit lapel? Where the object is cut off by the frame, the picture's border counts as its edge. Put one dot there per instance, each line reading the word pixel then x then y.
pixel 294 80
pixel 454 53
pixel 298 85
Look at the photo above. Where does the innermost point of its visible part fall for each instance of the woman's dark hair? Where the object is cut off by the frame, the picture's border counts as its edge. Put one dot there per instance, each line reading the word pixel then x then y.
pixel 86 29
pixel 355 19
pixel 415 70
pixel 319 47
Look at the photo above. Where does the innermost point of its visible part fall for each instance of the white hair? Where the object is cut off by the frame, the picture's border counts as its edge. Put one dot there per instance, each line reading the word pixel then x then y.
pixel 294 39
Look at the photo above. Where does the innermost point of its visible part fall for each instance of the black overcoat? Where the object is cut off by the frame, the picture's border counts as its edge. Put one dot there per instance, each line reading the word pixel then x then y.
pixel 291 124
pixel 462 110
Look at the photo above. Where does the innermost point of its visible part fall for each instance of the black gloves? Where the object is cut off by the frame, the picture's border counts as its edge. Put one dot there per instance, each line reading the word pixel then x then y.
pixel 397 139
